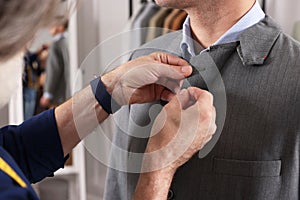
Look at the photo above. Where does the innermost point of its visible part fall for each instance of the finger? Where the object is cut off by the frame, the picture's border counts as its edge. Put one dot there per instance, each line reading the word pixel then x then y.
pixel 205 141
pixel 207 110
pixel 172 85
pixel 185 70
pixel 167 95
pixel 179 101
pixel 214 117
pixel 170 71
pixel 204 102
pixel 184 98
pixel 169 59
pixel 202 95
pixel 213 126
pixel 146 74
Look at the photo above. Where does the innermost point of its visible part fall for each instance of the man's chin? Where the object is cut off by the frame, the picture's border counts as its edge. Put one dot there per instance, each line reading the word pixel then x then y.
pixel 171 4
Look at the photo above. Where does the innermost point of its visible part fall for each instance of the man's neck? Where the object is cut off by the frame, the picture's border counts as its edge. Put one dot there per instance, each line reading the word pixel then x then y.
pixel 210 20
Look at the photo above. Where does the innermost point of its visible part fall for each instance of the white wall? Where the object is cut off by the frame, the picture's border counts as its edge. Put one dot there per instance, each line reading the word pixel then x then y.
pixel 286 12
pixel 98 20
pixel 3 116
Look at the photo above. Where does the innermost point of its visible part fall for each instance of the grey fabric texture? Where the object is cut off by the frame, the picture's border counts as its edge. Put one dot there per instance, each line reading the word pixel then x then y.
pixel 257 154
pixel 58 71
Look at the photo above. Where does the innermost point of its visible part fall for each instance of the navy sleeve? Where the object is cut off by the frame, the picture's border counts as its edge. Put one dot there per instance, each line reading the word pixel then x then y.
pixel 35 145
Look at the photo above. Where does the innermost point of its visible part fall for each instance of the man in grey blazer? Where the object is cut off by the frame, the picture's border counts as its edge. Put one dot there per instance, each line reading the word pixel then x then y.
pixel 257 154
pixel 56 88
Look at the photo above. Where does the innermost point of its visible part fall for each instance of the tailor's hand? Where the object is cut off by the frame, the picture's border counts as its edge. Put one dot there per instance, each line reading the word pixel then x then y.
pixel 148 78
pixel 181 129
pixel 45 102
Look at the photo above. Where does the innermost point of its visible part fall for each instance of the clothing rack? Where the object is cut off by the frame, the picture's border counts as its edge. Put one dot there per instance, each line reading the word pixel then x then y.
pixel 263 6
pixel 145 1
pixel 131 6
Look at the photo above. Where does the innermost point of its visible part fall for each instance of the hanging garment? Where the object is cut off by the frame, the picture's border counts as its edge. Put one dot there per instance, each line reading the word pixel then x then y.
pixel 156 23
pixel 169 19
pixel 135 40
pixel 142 21
pixel 151 16
pixel 178 21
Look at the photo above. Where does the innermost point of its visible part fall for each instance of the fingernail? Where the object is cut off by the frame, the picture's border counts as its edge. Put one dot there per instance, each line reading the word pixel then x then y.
pixel 191 91
pixel 186 69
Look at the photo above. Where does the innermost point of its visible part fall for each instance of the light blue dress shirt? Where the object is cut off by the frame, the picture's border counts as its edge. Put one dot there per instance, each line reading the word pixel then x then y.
pixel 253 16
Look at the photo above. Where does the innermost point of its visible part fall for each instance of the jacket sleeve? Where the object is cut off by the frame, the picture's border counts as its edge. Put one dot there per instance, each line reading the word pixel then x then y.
pixel 35 145
pixel 54 69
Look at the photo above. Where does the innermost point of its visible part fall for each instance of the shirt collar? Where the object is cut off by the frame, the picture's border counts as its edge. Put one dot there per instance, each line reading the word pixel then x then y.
pixel 59 36
pixel 253 16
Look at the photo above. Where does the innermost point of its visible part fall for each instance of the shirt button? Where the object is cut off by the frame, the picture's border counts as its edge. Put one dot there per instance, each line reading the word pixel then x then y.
pixel 170 195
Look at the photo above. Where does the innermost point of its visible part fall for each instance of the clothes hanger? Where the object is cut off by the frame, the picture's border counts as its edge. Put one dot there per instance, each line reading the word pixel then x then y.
pixel 263 5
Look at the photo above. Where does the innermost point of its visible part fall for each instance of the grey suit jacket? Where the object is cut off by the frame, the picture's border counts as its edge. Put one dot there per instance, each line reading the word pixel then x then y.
pixel 58 71
pixel 258 153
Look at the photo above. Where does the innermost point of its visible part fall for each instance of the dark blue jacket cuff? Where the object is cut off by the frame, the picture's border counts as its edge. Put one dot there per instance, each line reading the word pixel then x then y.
pixel 35 145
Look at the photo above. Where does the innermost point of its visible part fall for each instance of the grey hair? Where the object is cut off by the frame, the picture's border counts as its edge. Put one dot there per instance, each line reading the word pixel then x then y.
pixel 20 20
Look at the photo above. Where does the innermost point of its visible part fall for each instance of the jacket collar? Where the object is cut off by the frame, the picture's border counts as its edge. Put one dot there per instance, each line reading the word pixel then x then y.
pixel 257 41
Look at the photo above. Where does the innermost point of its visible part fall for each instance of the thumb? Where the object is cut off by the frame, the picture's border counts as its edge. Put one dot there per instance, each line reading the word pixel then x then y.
pixel 167 58
pixel 182 99
pixel 170 71
pixel 174 62
pixel 147 74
